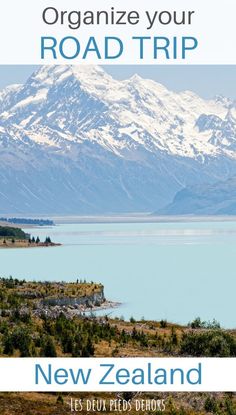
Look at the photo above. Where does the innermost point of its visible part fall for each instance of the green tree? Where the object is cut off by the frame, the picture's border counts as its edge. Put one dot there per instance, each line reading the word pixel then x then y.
pixel 48 240
pixel 208 343
pixel 211 404
pixel 8 347
pixel 163 324
pixel 48 348
pixel 22 341
pixel 88 349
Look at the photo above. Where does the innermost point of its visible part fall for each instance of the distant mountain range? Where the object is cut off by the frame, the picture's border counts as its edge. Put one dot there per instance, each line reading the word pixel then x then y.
pixel 73 140
pixel 215 199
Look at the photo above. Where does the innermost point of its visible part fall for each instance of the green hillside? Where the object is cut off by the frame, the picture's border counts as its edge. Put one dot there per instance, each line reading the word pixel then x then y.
pixel 9 232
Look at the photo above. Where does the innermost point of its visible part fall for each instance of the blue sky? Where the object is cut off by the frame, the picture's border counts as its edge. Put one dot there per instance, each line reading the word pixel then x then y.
pixel 205 80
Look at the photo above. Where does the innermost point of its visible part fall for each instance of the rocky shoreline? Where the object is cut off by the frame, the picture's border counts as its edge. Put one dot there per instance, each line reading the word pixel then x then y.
pixel 51 299
pixel 70 311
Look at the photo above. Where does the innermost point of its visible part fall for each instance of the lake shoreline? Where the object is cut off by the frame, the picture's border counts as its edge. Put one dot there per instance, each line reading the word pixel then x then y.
pixel 21 245
pixel 79 311
pixel 138 218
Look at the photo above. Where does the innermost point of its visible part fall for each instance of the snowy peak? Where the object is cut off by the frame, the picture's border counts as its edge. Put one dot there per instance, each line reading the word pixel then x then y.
pixel 49 75
pixel 226 102
pixel 78 103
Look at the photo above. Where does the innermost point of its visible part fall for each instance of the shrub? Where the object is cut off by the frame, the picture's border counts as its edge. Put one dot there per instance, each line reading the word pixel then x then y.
pixel 211 404
pixel 60 400
pixel 20 340
pixel 48 348
pixel 163 324
pixel 208 343
pixel 197 323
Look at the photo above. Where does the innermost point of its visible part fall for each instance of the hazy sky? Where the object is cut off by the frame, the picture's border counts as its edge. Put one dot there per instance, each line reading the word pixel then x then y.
pixel 205 80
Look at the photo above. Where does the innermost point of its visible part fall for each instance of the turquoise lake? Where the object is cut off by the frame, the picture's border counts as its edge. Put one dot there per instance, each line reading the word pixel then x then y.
pixel 173 271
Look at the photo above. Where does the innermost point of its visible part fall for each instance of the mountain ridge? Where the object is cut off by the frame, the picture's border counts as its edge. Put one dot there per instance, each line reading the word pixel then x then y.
pixel 202 200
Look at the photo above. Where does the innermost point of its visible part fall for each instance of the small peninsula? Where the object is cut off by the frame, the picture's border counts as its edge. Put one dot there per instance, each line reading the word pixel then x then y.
pixel 50 299
pixel 13 237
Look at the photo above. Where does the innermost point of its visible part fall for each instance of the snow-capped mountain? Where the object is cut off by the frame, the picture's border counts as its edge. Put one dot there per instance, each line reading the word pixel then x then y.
pixel 75 140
